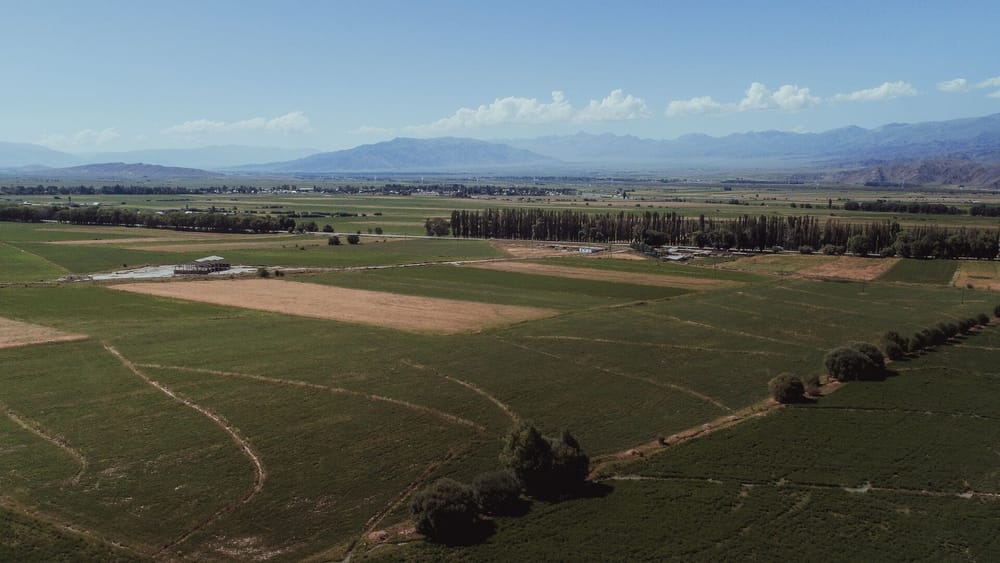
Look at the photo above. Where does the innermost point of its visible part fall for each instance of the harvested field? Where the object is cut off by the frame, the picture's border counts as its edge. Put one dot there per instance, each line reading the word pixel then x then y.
pixel 777 264
pixel 978 275
pixel 16 333
pixel 391 310
pixel 851 268
pixel 527 249
pixel 656 280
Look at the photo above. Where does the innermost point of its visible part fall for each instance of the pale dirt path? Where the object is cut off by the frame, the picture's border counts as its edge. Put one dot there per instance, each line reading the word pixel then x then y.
pixel 336 390
pixel 654 382
pixel 260 474
pixel 470 386
pixel 600 463
pixel 51 437
pixel 656 345
pixel 35 514
pixel 784 483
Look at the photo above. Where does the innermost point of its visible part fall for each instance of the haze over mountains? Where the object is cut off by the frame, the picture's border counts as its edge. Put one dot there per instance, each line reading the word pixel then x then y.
pixel 958 142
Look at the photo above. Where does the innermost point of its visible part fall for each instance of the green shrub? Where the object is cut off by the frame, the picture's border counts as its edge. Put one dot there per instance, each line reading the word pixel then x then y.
pixel 846 364
pixel 545 467
pixel 786 388
pixel 496 492
pixel 873 354
pixel 983 319
pixel 445 511
pixel 353 239
pixel 806 249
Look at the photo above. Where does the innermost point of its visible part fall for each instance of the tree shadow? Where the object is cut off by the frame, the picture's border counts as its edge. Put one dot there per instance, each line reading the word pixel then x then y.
pixel 475 533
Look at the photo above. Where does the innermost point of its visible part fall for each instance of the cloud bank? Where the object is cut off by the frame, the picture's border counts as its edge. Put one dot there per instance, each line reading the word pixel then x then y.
pixel 81 139
pixel 758 96
pixel 956 85
pixel 293 122
pixel 885 91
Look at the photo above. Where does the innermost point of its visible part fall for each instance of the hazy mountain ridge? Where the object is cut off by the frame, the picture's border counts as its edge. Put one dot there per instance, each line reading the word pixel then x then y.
pixel 123 171
pixel 924 172
pixel 407 154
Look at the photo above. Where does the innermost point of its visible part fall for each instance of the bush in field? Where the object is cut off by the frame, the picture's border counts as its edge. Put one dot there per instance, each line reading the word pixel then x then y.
pixel 894 345
pixel 830 249
pixel 983 319
pixel 873 354
pixel 545 467
pixel 786 388
pixel 860 245
pixel 353 239
pixel 846 364
pixel 445 511
pixel 333 241
pixel 262 272
pixel 328 228
pixel 806 249
pixel 496 492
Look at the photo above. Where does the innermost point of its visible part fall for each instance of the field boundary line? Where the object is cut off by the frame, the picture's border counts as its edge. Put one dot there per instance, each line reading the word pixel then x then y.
pixel 51 437
pixel 39 516
pixel 921 412
pixel 471 386
pixel 731 331
pixel 335 390
pixel 655 345
pixel 260 474
pixel 751 412
pixel 654 382
pixel 784 483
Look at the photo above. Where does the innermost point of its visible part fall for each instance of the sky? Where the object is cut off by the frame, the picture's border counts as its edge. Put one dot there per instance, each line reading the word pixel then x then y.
pixel 90 75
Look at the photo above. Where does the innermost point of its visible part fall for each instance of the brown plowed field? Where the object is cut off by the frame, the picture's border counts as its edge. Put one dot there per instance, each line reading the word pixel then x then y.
pixel 16 333
pixel 657 280
pixel 404 312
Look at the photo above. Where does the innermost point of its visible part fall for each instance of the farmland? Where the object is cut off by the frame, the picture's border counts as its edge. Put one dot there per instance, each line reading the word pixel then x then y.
pixel 175 426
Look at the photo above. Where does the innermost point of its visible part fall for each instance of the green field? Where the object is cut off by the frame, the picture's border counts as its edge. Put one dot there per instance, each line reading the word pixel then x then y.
pixel 936 272
pixel 193 431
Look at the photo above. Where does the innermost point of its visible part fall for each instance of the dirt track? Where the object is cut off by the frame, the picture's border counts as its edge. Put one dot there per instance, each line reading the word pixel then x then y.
pixel 392 310
pixel 656 280
pixel 16 333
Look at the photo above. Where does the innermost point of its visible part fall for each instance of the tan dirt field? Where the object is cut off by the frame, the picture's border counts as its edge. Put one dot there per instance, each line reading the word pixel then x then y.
pixel 16 333
pixel 404 312
pixel 851 268
pixel 527 249
pixel 980 275
pixel 656 280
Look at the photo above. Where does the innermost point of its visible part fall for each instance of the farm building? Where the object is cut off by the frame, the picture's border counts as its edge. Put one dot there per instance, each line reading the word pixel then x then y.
pixel 205 265
pixel 589 249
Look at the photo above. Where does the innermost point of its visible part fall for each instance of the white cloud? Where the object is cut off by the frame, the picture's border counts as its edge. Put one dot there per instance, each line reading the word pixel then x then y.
pixel 956 85
pixel 885 91
pixel 616 106
pixel 512 109
pixel 697 106
pixel 990 83
pixel 519 110
pixel 994 94
pixel 758 96
pixel 293 122
pixel 81 139
pixel 786 98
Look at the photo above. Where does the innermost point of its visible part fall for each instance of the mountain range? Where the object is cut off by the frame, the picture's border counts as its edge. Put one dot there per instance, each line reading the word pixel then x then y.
pixel 957 142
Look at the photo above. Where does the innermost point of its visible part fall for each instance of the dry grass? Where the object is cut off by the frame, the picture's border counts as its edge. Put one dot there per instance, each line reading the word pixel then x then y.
pixel 16 333
pixel 656 280
pixel 391 310
pixel 851 268
pixel 980 275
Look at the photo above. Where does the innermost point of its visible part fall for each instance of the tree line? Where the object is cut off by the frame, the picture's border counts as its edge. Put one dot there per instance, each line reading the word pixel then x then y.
pixel 884 206
pixel 747 232
pixel 209 222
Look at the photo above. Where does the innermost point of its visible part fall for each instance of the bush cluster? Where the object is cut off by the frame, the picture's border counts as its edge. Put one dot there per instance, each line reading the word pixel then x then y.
pixel 857 361
pixel 942 332
pixel 787 388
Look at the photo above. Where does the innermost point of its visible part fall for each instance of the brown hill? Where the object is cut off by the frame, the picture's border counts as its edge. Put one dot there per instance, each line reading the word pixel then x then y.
pixel 940 172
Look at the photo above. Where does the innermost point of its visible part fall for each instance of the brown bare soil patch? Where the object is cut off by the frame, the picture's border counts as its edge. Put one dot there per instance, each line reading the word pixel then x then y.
pixel 978 275
pixel 656 280
pixel 16 333
pixel 404 312
pixel 851 268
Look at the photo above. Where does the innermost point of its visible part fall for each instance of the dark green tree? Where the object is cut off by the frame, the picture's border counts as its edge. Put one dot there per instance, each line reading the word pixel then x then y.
pixel 847 364
pixel 786 388
pixel 497 492
pixel 445 511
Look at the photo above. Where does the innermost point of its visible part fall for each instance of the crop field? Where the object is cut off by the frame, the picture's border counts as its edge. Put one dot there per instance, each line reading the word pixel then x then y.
pixel 249 426
pixel 904 469
pixel 978 275
pixel 937 272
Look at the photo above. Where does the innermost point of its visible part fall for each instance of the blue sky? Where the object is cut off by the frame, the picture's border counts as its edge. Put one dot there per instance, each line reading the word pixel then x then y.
pixel 92 75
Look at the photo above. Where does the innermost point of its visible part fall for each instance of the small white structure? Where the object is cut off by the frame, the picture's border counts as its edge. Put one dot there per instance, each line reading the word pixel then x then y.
pixel 202 266
pixel 590 249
